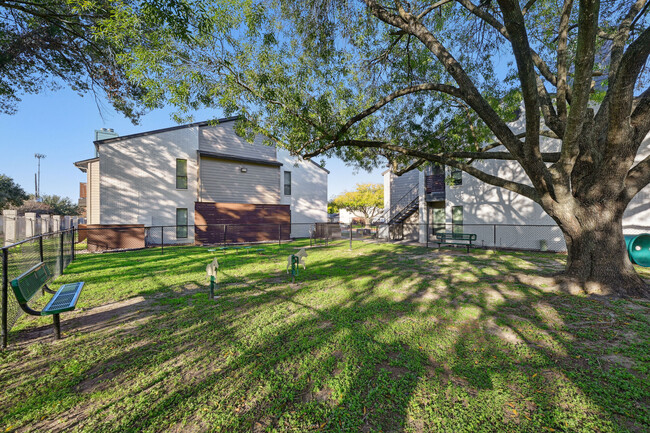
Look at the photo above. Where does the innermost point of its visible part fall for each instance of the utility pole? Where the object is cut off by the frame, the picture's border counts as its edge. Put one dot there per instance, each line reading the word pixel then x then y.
pixel 38 156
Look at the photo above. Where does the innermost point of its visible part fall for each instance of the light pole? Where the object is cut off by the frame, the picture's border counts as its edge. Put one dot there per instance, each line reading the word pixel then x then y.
pixel 38 156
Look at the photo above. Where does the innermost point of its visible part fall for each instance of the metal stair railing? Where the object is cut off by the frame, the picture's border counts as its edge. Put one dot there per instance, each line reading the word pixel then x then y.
pixel 401 204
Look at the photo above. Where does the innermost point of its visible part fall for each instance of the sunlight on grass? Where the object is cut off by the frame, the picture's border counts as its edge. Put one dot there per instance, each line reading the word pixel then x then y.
pixel 381 338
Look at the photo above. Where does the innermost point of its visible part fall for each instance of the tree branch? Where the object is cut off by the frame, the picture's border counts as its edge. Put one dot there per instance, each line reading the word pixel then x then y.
pixel 532 162
pixel 519 188
pixel 410 167
pixel 620 133
pixel 433 7
pixel 619 39
pixel 637 178
pixel 492 21
pixel 640 118
pixel 585 52
pixel 562 67
pixel 444 88
pixel 469 92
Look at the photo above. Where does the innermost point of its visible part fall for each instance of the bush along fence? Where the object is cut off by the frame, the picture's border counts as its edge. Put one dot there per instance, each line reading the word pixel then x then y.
pixel 57 250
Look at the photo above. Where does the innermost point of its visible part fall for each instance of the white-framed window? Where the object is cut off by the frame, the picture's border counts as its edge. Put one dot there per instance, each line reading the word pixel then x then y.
pixel 181 174
pixel 456 176
pixel 181 223
pixel 287 183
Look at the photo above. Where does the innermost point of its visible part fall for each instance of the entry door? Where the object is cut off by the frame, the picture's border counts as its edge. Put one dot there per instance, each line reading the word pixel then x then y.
pixel 438 220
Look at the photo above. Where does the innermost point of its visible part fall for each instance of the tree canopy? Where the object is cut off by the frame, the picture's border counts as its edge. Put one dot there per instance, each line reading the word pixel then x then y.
pixel 11 194
pixel 367 199
pixel 48 43
pixel 417 81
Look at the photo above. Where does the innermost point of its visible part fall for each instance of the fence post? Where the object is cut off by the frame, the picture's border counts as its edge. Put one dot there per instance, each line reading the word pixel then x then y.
pixel 494 242
pixel 350 236
pixel 279 235
pixel 225 230
pixel 61 266
pixel 5 293
pixel 162 239
pixel 40 248
pixel 71 244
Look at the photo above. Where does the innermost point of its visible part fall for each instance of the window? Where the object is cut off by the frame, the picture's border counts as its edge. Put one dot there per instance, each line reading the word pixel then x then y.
pixel 457 219
pixel 181 223
pixel 287 183
pixel 456 176
pixel 181 174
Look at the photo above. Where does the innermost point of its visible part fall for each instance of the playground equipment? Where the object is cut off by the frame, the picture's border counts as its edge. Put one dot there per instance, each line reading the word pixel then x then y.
pixel 211 270
pixel 296 260
pixel 638 249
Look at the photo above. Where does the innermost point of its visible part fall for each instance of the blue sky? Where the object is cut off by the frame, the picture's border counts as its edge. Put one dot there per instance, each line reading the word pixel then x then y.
pixel 61 125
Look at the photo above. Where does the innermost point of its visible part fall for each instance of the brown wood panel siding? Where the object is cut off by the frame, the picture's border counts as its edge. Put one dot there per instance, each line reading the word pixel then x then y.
pixel 224 182
pixel 241 222
pixel 112 236
pixel 222 138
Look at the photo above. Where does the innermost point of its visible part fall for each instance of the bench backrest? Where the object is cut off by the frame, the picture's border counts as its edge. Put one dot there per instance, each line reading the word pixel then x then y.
pixel 29 283
pixel 456 236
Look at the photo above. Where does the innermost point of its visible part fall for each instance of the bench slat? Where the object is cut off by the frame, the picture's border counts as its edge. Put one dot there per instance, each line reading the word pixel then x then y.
pixel 64 300
pixel 30 282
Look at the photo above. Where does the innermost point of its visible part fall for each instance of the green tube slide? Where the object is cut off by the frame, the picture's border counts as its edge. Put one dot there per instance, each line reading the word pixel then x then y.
pixel 638 248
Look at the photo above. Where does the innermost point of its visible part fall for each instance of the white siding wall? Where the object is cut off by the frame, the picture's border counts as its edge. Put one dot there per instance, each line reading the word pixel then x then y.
pixel 138 182
pixel 308 197
pixel 487 204
pixel 222 181
pixel 93 191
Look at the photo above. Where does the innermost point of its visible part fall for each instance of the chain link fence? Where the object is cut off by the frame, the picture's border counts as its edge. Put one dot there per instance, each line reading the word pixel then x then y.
pixel 58 249
pixel 54 249
pixel 506 236
pixel 531 237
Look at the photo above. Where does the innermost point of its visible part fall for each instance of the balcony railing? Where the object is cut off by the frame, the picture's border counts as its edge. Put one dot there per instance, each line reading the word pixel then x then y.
pixel 434 187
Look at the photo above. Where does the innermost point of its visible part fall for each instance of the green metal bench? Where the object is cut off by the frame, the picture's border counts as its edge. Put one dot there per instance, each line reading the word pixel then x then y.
pixel 27 286
pixel 464 239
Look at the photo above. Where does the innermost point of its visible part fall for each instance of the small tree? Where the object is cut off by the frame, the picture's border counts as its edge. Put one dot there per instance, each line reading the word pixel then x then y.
pixel 11 194
pixel 61 205
pixel 367 199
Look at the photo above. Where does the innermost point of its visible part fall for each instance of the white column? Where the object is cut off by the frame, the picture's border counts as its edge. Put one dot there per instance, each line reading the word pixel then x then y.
pixel 46 223
pixel 422 211
pixel 56 223
pixel 30 224
pixel 10 223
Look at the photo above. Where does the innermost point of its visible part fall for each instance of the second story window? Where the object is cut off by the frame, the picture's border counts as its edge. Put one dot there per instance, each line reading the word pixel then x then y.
pixel 181 174
pixel 456 176
pixel 287 183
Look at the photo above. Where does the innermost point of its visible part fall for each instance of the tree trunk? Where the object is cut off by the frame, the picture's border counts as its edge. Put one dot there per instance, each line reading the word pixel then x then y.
pixel 598 261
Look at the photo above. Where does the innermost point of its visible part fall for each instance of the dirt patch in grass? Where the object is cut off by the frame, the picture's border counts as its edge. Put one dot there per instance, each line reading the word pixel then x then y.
pixel 124 314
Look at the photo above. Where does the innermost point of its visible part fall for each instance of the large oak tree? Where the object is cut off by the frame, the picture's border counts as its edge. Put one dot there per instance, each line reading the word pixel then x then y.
pixel 438 81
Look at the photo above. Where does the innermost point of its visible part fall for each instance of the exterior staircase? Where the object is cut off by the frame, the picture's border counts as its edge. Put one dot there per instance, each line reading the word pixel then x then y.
pixel 406 212
pixel 403 208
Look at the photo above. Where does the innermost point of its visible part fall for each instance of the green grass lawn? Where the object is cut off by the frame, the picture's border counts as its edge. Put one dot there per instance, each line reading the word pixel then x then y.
pixel 381 338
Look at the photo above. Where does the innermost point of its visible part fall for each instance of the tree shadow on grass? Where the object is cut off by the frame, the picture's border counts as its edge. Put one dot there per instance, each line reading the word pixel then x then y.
pixel 386 345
